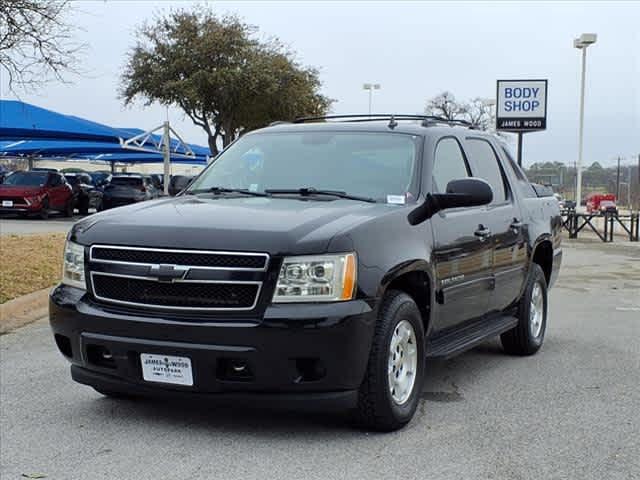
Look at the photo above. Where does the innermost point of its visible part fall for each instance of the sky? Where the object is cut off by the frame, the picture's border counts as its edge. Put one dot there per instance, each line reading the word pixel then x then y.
pixel 415 50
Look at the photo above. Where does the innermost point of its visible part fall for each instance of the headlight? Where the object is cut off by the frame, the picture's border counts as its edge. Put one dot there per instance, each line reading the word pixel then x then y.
pixel 73 265
pixel 322 278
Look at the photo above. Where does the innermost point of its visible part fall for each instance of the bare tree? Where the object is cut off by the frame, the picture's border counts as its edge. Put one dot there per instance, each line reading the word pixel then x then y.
pixel 444 105
pixel 36 43
pixel 478 113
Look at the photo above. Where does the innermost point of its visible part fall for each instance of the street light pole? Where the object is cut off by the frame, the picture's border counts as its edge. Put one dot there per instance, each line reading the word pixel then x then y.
pixel 371 87
pixel 582 43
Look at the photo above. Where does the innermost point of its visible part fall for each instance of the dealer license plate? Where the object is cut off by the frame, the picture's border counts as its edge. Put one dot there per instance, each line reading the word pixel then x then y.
pixel 166 369
pixel 7 203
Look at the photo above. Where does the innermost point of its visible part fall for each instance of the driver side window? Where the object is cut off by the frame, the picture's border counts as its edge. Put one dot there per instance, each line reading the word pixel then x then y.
pixel 54 181
pixel 449 164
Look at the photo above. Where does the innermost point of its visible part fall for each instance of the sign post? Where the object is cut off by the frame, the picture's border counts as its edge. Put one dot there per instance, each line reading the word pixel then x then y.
pixel 521 107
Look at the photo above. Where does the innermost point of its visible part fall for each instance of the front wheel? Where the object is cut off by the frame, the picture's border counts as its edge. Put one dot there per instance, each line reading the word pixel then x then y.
pixel 68 209
pixel 44 212
pixel 527 336
pixel 390 391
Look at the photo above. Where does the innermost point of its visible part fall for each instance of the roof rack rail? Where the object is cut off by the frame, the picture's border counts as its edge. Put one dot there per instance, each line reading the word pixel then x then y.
pixel 278 122
pixel 427 120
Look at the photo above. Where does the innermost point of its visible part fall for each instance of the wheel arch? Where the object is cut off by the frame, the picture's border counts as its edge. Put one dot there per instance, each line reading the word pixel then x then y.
pixel 415 278
pixel 542 255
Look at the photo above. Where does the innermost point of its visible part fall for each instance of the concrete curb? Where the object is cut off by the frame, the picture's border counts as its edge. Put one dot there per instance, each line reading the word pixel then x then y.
pixel 23 310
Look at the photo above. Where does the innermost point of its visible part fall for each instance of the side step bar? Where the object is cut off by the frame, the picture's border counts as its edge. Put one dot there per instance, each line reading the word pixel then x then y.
pixel 451 343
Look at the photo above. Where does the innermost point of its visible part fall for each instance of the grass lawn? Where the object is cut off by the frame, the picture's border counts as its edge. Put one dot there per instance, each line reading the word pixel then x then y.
pixel 29 263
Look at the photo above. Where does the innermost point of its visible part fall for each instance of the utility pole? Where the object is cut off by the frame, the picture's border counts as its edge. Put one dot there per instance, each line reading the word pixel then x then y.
pixel 166 151
pixel 618 181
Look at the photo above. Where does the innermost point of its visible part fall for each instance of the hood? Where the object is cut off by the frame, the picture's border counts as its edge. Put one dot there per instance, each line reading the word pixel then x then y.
pixel 254 224
pixel 19 190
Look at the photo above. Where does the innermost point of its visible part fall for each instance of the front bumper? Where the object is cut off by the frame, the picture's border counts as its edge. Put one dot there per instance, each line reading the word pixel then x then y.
pixel 314 353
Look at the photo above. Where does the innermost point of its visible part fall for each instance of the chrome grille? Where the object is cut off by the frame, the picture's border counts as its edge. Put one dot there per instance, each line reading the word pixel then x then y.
pixel 176 279
pixel 191 258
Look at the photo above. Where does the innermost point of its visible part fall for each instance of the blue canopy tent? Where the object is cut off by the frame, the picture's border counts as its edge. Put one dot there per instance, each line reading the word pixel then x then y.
pixel 92 151
pixel 28 130
pixel 23 121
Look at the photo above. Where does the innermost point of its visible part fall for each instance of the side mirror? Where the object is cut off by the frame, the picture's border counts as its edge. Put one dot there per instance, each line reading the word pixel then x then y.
pixel 465 192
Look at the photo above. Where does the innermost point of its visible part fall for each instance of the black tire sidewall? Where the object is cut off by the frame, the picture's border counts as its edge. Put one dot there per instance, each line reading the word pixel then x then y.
pixel 403 308
pixel 537 276
pixel 44 213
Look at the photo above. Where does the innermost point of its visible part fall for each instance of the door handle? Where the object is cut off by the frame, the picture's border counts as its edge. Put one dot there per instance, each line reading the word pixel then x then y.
pixel 482 232
pixel 516 224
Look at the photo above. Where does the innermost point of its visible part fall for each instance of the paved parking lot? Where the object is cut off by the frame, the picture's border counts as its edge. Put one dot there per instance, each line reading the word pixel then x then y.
pixel 569 412
pixel 25 226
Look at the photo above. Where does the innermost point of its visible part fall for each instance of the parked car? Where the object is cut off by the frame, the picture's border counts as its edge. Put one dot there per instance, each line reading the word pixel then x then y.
pixel 594 202
pixel 100 178
pixel 86 194
pixel 43 169
pixel 178 183
pixel 608 207
pixel 36 193
pixel 124 189
pixel 317 262
pixel 158 181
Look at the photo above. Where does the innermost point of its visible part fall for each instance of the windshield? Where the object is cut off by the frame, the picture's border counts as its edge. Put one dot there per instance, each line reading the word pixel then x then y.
pixel 127 181
pixel 27 179
pixel 376 165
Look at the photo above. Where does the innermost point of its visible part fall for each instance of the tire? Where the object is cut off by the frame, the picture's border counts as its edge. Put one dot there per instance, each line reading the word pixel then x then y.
pixel 44 212
pixel 83 206
pixel 379 407
pixel 527 336
pixel 68 209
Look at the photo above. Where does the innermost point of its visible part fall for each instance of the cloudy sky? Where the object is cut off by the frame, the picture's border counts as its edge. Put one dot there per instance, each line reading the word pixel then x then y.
pixel 414 50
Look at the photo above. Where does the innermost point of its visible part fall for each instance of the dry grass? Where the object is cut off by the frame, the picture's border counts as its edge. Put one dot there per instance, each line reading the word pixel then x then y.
pixel 29 263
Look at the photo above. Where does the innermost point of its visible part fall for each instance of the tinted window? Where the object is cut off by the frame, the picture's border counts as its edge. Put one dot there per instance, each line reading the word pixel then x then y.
pixel 55 180
pixel 522 182
pixel 449 164
pixel 71 179
pixel 486 166
pixel 367 164
pixel 31 179
pixel 127 181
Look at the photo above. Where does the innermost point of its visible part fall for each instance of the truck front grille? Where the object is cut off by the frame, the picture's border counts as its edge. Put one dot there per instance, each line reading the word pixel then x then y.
pixel 194 258
pixel 177 295
pixel 168 279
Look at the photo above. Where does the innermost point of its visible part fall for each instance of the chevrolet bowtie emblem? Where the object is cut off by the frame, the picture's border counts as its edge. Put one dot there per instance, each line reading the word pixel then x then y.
pixel 167 273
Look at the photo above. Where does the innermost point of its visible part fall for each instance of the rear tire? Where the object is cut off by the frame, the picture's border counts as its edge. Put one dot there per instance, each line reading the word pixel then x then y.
pixel 397 352
pixel 44 213
pixel 83 206
pixel 527 336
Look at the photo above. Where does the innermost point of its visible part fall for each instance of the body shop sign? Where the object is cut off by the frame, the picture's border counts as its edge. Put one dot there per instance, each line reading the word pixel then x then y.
pixel 521 105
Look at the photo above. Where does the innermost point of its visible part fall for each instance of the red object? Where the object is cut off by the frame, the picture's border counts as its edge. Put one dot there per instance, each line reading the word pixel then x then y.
pixel 595 199
pixel 23 197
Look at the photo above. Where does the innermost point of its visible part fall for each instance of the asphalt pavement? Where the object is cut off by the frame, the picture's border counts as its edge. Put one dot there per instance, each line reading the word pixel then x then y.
pixel 27 226
pixel 569 412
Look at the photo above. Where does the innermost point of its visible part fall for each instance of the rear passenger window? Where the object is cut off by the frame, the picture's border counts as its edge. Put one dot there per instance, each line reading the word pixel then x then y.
pixel 522 182
pixel 485 165
pixel 449 164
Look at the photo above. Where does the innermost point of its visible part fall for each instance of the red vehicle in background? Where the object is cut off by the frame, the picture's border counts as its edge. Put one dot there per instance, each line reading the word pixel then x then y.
pixel 36 193
pixel 601 203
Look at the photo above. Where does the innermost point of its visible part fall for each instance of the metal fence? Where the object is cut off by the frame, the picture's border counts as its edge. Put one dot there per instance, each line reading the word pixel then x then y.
pixel 629 224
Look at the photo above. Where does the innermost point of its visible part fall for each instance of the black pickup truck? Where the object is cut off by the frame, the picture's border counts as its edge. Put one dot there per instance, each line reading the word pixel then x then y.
pixel 322 262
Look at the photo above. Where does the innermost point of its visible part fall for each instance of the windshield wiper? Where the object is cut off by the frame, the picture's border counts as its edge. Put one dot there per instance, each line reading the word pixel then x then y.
pixel 314 191
pixel 219 190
